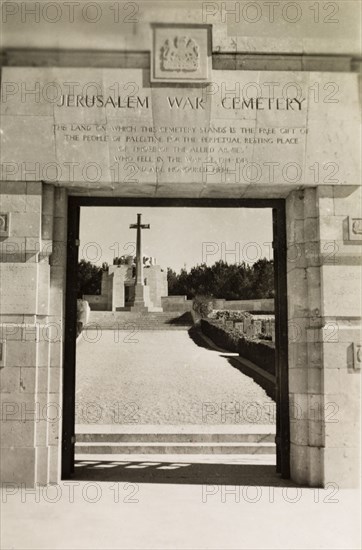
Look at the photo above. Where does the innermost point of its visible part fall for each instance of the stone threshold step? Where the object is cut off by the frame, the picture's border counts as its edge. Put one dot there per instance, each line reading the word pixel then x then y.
pixel 175 428
pixel 95 460
pixel 175 438
pixel 170 448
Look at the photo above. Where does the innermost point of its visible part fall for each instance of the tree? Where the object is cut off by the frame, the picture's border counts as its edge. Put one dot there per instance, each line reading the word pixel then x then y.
pixel 263 278
pixel 173 282
pixel 89 278
pixel 223 280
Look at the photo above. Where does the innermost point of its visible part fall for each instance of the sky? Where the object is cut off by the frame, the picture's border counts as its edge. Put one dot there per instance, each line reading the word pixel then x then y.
pixel 179 236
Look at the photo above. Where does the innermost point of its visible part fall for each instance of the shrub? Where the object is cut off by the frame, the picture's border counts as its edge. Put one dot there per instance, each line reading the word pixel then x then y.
pixel 202 305
pixel 226 339
pixel 262 336
pixel 260 352
pixel 229 315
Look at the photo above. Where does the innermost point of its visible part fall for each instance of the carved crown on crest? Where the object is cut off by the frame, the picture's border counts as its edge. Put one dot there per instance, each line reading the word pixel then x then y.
pixel 180 54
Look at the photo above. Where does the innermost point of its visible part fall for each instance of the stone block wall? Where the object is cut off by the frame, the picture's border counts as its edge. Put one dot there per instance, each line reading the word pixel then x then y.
pixel 176 303
pixel 245 305
pixel 323 275
pixel 324 308
pixel 32 277
pixel 324 242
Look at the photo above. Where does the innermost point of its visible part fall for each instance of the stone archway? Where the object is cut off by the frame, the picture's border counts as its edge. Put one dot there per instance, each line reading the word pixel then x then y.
pixel 280 258
pixel 322 232
pixel 323 363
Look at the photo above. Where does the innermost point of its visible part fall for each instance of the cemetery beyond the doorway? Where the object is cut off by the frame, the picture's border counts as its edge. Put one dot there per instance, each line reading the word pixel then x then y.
pixel 161 373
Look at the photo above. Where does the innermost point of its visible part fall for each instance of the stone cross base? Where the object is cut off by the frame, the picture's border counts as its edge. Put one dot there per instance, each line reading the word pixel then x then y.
pixel 139 308
pixel 141 301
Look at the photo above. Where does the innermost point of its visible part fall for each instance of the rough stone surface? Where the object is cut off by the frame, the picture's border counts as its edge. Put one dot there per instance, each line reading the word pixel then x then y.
pixel 260 134
pixel 323 263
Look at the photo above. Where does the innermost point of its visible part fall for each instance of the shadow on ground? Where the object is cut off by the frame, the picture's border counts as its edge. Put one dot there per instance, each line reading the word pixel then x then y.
pixel 188 473
pixel 185 319
pixel 235 361
pixel 267 385
pixel 196 336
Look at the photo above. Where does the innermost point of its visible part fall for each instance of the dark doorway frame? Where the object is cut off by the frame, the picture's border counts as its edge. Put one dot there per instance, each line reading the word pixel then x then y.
pixel 281 312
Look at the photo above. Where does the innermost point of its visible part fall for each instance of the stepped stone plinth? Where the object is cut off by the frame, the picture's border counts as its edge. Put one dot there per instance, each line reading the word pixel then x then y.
pixel 141 301
pixel 135 284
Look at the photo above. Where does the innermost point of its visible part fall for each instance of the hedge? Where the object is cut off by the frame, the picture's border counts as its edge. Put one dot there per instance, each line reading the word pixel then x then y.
pixel 260 352
pixel 228 340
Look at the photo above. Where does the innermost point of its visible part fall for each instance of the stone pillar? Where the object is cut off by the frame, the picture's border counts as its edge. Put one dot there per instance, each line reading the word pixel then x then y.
pixel 56 317
pixel 118 275
pixel 341 277
pixel 104 283
pixel 157 283
pixel 33 281
pixel 323 311
pixel 106 290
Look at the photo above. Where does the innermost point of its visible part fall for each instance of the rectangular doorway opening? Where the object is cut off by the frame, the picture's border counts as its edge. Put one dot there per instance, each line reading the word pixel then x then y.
pixel 175 354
